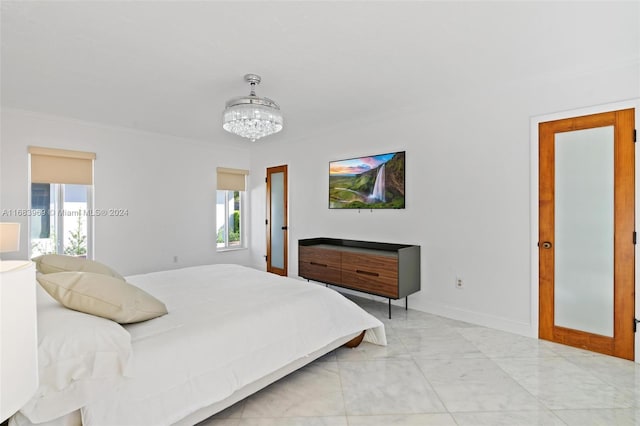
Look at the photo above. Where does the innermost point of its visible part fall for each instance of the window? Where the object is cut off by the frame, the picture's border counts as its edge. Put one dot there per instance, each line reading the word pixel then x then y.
pixel 228 219
pixel 61 202
pixel 229 213
pixel 59 219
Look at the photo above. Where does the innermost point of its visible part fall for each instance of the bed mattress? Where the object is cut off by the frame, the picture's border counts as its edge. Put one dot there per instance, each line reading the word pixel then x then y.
pixel 228 327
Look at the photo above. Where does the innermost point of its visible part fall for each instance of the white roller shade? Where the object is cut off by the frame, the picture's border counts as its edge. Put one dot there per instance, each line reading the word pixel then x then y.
pixel 49 165
pixel 231 179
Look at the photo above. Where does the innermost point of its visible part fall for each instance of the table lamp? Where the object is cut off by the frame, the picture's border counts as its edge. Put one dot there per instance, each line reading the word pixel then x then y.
pixel 9 237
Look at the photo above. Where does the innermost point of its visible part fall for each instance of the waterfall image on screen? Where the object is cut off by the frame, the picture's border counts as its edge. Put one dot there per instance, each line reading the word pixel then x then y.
pixel 372 182
pixel 379 186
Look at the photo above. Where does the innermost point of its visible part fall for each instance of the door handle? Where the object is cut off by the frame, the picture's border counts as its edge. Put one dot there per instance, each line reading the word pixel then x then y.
pixel 547 245
pixel 284 228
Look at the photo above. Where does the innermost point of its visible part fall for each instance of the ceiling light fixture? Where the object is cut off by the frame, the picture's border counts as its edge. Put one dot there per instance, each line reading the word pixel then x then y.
pixel 250 116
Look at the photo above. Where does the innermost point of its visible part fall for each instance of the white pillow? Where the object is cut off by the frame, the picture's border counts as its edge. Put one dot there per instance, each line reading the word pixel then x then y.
pixel 103 296
pixel 52 263
pixel 80 356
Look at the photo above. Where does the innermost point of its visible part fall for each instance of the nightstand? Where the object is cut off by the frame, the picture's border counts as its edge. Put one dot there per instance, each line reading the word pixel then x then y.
pixel 18 335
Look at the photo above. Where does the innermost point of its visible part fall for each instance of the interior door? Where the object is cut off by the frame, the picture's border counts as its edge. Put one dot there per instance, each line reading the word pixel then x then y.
pixel 277 220
pixel 586 232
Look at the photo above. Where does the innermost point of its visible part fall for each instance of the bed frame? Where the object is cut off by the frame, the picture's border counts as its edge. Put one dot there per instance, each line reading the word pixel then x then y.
pixel 240 394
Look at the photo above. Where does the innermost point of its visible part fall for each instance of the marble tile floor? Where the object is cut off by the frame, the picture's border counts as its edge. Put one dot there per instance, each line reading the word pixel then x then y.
pixel 437 371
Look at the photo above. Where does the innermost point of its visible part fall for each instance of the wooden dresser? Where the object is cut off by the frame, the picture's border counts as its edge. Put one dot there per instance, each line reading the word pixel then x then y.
pixel 382 269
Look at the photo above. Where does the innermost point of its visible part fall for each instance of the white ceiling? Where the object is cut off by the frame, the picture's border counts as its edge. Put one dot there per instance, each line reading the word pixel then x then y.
pixel 169 66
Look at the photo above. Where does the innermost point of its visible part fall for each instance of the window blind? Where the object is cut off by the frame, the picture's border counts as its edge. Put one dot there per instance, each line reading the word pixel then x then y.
pixel 50 165
pixel 231 179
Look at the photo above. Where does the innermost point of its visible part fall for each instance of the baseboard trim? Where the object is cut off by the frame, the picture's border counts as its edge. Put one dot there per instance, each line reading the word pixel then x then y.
pixel 482 319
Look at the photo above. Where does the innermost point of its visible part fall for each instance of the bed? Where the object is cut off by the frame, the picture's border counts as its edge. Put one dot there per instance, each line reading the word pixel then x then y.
pixel 230 331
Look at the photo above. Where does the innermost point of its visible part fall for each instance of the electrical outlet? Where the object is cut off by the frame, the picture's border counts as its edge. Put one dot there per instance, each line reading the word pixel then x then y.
pixel 459 283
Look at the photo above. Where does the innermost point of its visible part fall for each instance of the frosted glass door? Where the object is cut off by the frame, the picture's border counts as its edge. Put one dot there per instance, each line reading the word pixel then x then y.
pixel 584 230
pixel 277 220
pixel 586 234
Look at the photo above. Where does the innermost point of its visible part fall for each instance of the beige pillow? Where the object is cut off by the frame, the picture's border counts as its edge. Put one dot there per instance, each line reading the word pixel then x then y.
pixel 52 263
pixel 101 295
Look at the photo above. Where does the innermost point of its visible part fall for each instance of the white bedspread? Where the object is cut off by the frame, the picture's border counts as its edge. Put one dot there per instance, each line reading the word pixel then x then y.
pixel 227 327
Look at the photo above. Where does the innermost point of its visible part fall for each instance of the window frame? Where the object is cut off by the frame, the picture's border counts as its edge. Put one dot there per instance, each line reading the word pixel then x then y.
pixel 58 222
pixel 61 167
pixel 242 201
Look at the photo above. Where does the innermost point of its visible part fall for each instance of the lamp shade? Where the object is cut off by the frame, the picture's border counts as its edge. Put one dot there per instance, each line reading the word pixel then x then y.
pixel 18 335
pixel 9 237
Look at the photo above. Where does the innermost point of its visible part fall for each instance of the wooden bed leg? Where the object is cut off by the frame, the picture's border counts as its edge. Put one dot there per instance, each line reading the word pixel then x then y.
pixel 355 341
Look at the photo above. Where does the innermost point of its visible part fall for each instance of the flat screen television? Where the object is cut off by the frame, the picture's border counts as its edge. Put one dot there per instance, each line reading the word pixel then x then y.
pixel 371 182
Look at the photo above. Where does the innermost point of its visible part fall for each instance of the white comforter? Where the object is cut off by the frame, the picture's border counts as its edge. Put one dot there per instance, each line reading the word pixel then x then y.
pixel 227 327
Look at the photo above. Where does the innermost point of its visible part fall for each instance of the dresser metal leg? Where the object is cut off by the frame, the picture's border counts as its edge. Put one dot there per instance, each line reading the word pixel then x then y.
pixel 389 308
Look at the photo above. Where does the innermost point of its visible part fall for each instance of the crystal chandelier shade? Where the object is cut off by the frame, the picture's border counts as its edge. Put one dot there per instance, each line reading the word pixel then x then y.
pixel 250 116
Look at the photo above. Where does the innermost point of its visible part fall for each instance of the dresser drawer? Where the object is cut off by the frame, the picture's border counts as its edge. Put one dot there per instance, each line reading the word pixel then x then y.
pixel 371 273
pixel 320 257
pixel 319 264
pixel 322 273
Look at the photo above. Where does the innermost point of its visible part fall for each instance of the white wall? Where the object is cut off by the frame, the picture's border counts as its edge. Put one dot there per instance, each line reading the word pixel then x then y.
pixel 467 174
pixel 166 183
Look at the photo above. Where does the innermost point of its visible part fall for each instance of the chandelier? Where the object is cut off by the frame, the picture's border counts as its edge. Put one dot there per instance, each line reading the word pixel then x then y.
pixel 250 116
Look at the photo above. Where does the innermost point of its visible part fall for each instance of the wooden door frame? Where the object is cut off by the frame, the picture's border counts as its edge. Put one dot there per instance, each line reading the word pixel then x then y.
pixel 534 209
pixel 278 169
